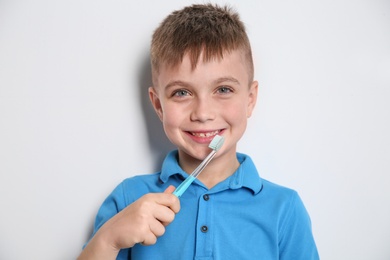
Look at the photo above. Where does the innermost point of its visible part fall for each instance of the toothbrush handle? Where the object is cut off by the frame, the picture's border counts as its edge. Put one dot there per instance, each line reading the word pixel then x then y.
pixel 187 182
pixel 183 186
pixel 204 163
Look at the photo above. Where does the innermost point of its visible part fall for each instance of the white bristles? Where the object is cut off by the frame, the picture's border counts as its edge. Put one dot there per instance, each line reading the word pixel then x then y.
pixel 217 142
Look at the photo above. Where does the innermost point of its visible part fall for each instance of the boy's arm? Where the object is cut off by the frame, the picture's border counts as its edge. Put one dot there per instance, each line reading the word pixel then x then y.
pixel 297 241
pixel 140 222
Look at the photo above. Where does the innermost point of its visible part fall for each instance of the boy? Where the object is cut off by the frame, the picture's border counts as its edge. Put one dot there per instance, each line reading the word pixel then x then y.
pixel 202 86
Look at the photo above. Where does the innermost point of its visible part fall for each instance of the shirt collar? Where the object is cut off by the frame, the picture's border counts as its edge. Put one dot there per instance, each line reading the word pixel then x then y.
pixel 245 176
pixel 171 166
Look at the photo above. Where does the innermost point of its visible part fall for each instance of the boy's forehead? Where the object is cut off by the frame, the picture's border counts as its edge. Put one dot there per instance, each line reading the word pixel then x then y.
pixel 218 67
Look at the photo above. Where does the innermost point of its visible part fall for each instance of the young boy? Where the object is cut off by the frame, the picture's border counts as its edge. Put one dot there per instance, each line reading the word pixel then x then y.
pixel 202 86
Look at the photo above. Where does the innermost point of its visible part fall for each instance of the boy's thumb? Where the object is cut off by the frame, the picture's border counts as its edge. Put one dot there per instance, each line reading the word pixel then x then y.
pixel 170 189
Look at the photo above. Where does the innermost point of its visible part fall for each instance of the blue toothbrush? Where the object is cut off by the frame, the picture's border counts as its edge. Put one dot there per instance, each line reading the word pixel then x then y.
pixel 215 145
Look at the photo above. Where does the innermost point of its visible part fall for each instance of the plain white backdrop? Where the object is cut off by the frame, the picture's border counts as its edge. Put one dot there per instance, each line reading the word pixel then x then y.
pixel 75 119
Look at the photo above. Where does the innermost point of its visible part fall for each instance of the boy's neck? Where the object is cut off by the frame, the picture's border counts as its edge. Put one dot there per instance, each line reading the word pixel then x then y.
pixel 219 169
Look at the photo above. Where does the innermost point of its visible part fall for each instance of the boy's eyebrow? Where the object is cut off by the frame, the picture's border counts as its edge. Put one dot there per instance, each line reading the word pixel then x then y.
pixel 216 82
pixel 227 79
pixel 177 83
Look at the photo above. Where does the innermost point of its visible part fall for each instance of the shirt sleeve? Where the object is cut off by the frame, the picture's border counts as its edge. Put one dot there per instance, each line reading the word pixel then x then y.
pixel 113 204
pixel 296 238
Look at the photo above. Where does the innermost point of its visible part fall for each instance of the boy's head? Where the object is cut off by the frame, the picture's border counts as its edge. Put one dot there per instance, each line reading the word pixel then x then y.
pixel 208 29
pixel 203 79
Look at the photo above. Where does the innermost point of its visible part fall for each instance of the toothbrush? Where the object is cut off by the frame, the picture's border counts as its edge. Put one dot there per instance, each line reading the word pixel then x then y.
pixel 215 145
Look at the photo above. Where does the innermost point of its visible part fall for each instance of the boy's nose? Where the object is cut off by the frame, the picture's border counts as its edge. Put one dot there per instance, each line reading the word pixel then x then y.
pixel 202 110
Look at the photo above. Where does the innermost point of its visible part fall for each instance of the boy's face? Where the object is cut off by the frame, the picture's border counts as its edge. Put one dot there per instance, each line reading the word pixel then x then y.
pixel 196 104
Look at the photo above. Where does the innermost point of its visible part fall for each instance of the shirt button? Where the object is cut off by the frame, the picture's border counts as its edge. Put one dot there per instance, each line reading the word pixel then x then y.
pixel 206 197
pixel 204 229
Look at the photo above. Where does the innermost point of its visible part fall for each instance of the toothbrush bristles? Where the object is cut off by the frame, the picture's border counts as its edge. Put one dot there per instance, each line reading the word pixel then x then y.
pixel 217 142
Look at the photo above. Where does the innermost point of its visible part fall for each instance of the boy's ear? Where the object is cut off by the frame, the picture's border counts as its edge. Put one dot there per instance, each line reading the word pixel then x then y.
pixel 155 100
pixel 252 98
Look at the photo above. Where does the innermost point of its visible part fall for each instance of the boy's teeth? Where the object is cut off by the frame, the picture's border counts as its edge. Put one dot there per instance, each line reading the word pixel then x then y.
pixel 205 134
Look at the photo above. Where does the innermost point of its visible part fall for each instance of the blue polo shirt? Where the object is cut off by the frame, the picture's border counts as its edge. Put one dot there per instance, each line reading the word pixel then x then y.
pixel 243 217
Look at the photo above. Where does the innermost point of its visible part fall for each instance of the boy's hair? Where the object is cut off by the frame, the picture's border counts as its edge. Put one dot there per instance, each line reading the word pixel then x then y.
pixel 208 28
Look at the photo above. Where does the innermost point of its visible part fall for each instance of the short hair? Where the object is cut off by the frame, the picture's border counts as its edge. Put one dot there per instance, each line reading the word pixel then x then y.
pixel 207 28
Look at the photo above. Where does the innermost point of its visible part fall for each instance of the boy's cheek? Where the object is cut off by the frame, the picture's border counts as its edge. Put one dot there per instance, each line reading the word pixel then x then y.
pixel 172 116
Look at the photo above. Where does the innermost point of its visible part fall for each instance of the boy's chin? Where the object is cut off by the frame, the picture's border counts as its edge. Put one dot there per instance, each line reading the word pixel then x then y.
pixel 196 154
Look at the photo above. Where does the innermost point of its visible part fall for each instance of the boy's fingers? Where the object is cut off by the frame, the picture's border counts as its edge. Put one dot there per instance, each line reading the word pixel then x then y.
pixel 157 228
pixel 164 215
pixel 170 189
pixel 172 201
pixel 150 239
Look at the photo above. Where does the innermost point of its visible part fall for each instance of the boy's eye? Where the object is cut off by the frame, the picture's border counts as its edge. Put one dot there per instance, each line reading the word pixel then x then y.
pixel 180 93
pixel 224 90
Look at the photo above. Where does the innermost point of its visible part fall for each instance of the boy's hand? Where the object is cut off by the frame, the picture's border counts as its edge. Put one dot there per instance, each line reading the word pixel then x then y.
pixel 143 222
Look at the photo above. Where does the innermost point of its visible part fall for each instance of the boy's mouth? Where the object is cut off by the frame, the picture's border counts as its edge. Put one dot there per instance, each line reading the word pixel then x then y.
pixel 205 134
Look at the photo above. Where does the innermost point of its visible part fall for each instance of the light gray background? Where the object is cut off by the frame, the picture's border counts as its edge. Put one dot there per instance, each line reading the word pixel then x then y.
pixel 75 119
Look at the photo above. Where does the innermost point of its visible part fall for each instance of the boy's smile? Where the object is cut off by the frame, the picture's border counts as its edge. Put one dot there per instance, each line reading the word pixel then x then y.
pixel 195 104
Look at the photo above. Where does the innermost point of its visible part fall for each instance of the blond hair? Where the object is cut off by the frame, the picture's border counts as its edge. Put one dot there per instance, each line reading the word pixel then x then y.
pixel 208 29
